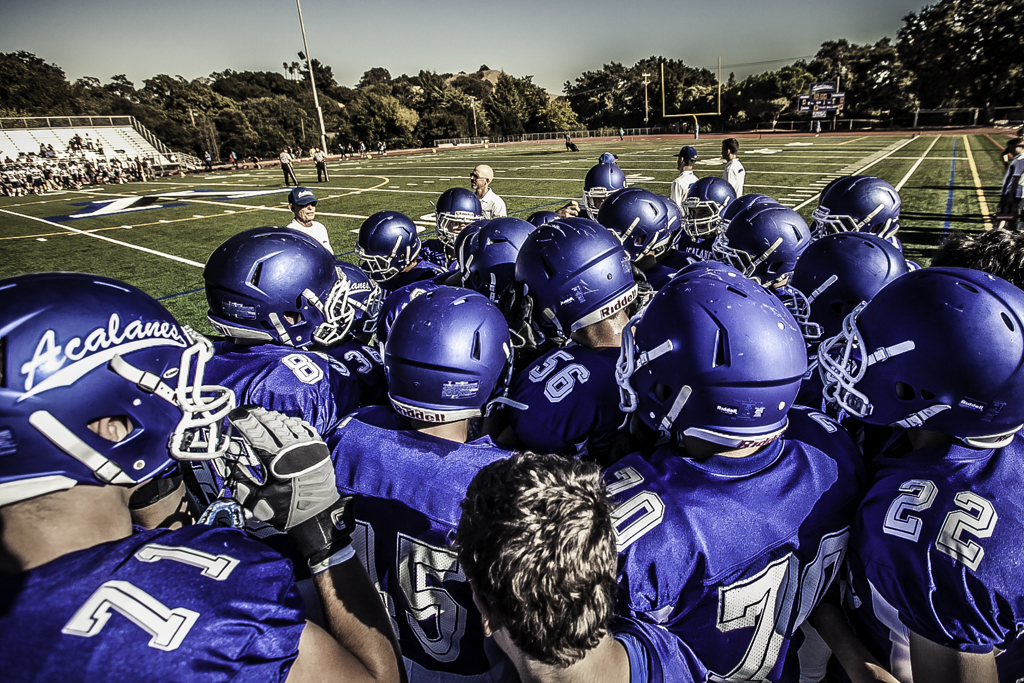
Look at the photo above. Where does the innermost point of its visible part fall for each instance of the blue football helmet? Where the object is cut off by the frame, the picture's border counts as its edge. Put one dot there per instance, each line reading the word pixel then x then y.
pixel 488 258
pixel 940 349
pixel 639 218
pixel 77 348
pixel 857 203
pixel 841 271
pixel 602 181
pixel 714 356
pixel 275 285
pixel 741 203
pixel 764 242
pixel 456 208
pixel 394 303
pixel 577 272
pixel 387 243
pixel 704 204
pixel 448 354
pixel 539 218
pixel 360 300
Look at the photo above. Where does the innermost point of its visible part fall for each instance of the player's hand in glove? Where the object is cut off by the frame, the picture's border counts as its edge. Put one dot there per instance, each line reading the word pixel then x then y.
pixel 299 495
pixel 518 309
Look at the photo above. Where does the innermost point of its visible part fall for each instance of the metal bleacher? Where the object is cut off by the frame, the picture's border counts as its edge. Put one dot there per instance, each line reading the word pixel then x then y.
pixel 118 136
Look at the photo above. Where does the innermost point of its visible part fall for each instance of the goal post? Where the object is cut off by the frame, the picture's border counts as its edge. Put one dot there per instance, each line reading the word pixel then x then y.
pixel 693 114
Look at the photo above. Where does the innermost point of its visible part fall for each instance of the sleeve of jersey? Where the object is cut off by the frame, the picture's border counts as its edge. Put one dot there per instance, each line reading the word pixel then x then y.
pixel 655 654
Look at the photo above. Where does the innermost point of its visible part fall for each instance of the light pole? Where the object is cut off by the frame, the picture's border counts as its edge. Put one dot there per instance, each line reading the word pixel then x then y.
pixel 472 105
pixel 646 107
pixel 312 81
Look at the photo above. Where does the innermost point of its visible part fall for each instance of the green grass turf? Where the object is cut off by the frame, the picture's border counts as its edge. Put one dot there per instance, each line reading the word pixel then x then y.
pixel 529 177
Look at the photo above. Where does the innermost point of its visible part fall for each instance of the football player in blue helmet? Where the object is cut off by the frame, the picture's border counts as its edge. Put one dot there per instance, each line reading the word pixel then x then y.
pixel 833 276
pixel 447 357
pixel 740 203
pixel 714 364
pixel 580 280
pixel 393 304
pixel 488 257
pixel 602 181
pixel 675 256
pixel 456 208
pixel 703 207
pixel 858 203
pixel 515 519
pixel 639 218
pixel 937 355
pixel 388 248
pixel 363 301
pixel 273 297
pixel 102 391
pixel 764 242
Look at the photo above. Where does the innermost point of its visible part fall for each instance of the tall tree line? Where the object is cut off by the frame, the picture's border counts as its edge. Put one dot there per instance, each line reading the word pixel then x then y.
pixel 955 53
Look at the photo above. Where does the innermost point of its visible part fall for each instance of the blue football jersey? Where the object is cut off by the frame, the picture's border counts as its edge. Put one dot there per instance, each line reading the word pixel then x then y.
pixel 702 249
pixel 299 383
pixel 364 364
pixel 424 270
pixel 572 399
pixel 732 554
pixel 408 487
pixel 655 654
pixel 194 604
pixel 938 549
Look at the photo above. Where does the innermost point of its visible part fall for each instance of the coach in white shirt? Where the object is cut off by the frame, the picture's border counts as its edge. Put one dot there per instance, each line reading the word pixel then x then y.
pixel 303 204
pixel 492 205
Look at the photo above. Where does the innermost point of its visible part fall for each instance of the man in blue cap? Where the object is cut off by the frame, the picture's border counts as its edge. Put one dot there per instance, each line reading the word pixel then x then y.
pixel 681 185
pixel 303 204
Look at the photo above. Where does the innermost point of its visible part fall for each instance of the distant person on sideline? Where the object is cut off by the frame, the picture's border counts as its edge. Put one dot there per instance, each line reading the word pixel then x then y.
pixel 303 204
pixel 286 168
pixel 734 173
pixel 681 185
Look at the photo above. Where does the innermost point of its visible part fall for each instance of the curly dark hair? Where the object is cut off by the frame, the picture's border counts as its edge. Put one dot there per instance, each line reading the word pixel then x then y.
pixel 537 543
pixel 997 252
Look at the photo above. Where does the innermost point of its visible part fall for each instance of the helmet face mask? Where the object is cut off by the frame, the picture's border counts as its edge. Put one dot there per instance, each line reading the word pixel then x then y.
pixel 939 349
pixel 353 299
pixel 703 206
pixel 487 258
pixel 79 348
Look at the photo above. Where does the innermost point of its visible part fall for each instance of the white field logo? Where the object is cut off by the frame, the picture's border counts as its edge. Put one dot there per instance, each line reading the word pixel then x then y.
pixel 92 350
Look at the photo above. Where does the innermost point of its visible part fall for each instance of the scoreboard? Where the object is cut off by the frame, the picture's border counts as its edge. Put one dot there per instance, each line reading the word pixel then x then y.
pixel 822 98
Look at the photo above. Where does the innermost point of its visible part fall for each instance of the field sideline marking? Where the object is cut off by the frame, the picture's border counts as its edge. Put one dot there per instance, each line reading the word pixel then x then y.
pixel 858 171
pixel 977 184
pixel 917 163
pixel 840 144
pixel 107 239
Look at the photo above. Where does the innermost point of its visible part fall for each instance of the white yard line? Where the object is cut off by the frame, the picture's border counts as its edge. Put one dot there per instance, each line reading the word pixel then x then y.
pixel 107 239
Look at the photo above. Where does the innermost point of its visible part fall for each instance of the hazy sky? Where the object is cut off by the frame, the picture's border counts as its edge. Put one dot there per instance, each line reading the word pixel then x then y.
pixel 553 40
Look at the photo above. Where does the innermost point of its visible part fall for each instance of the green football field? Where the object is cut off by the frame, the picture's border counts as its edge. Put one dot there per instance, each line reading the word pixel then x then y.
pixel 947 182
